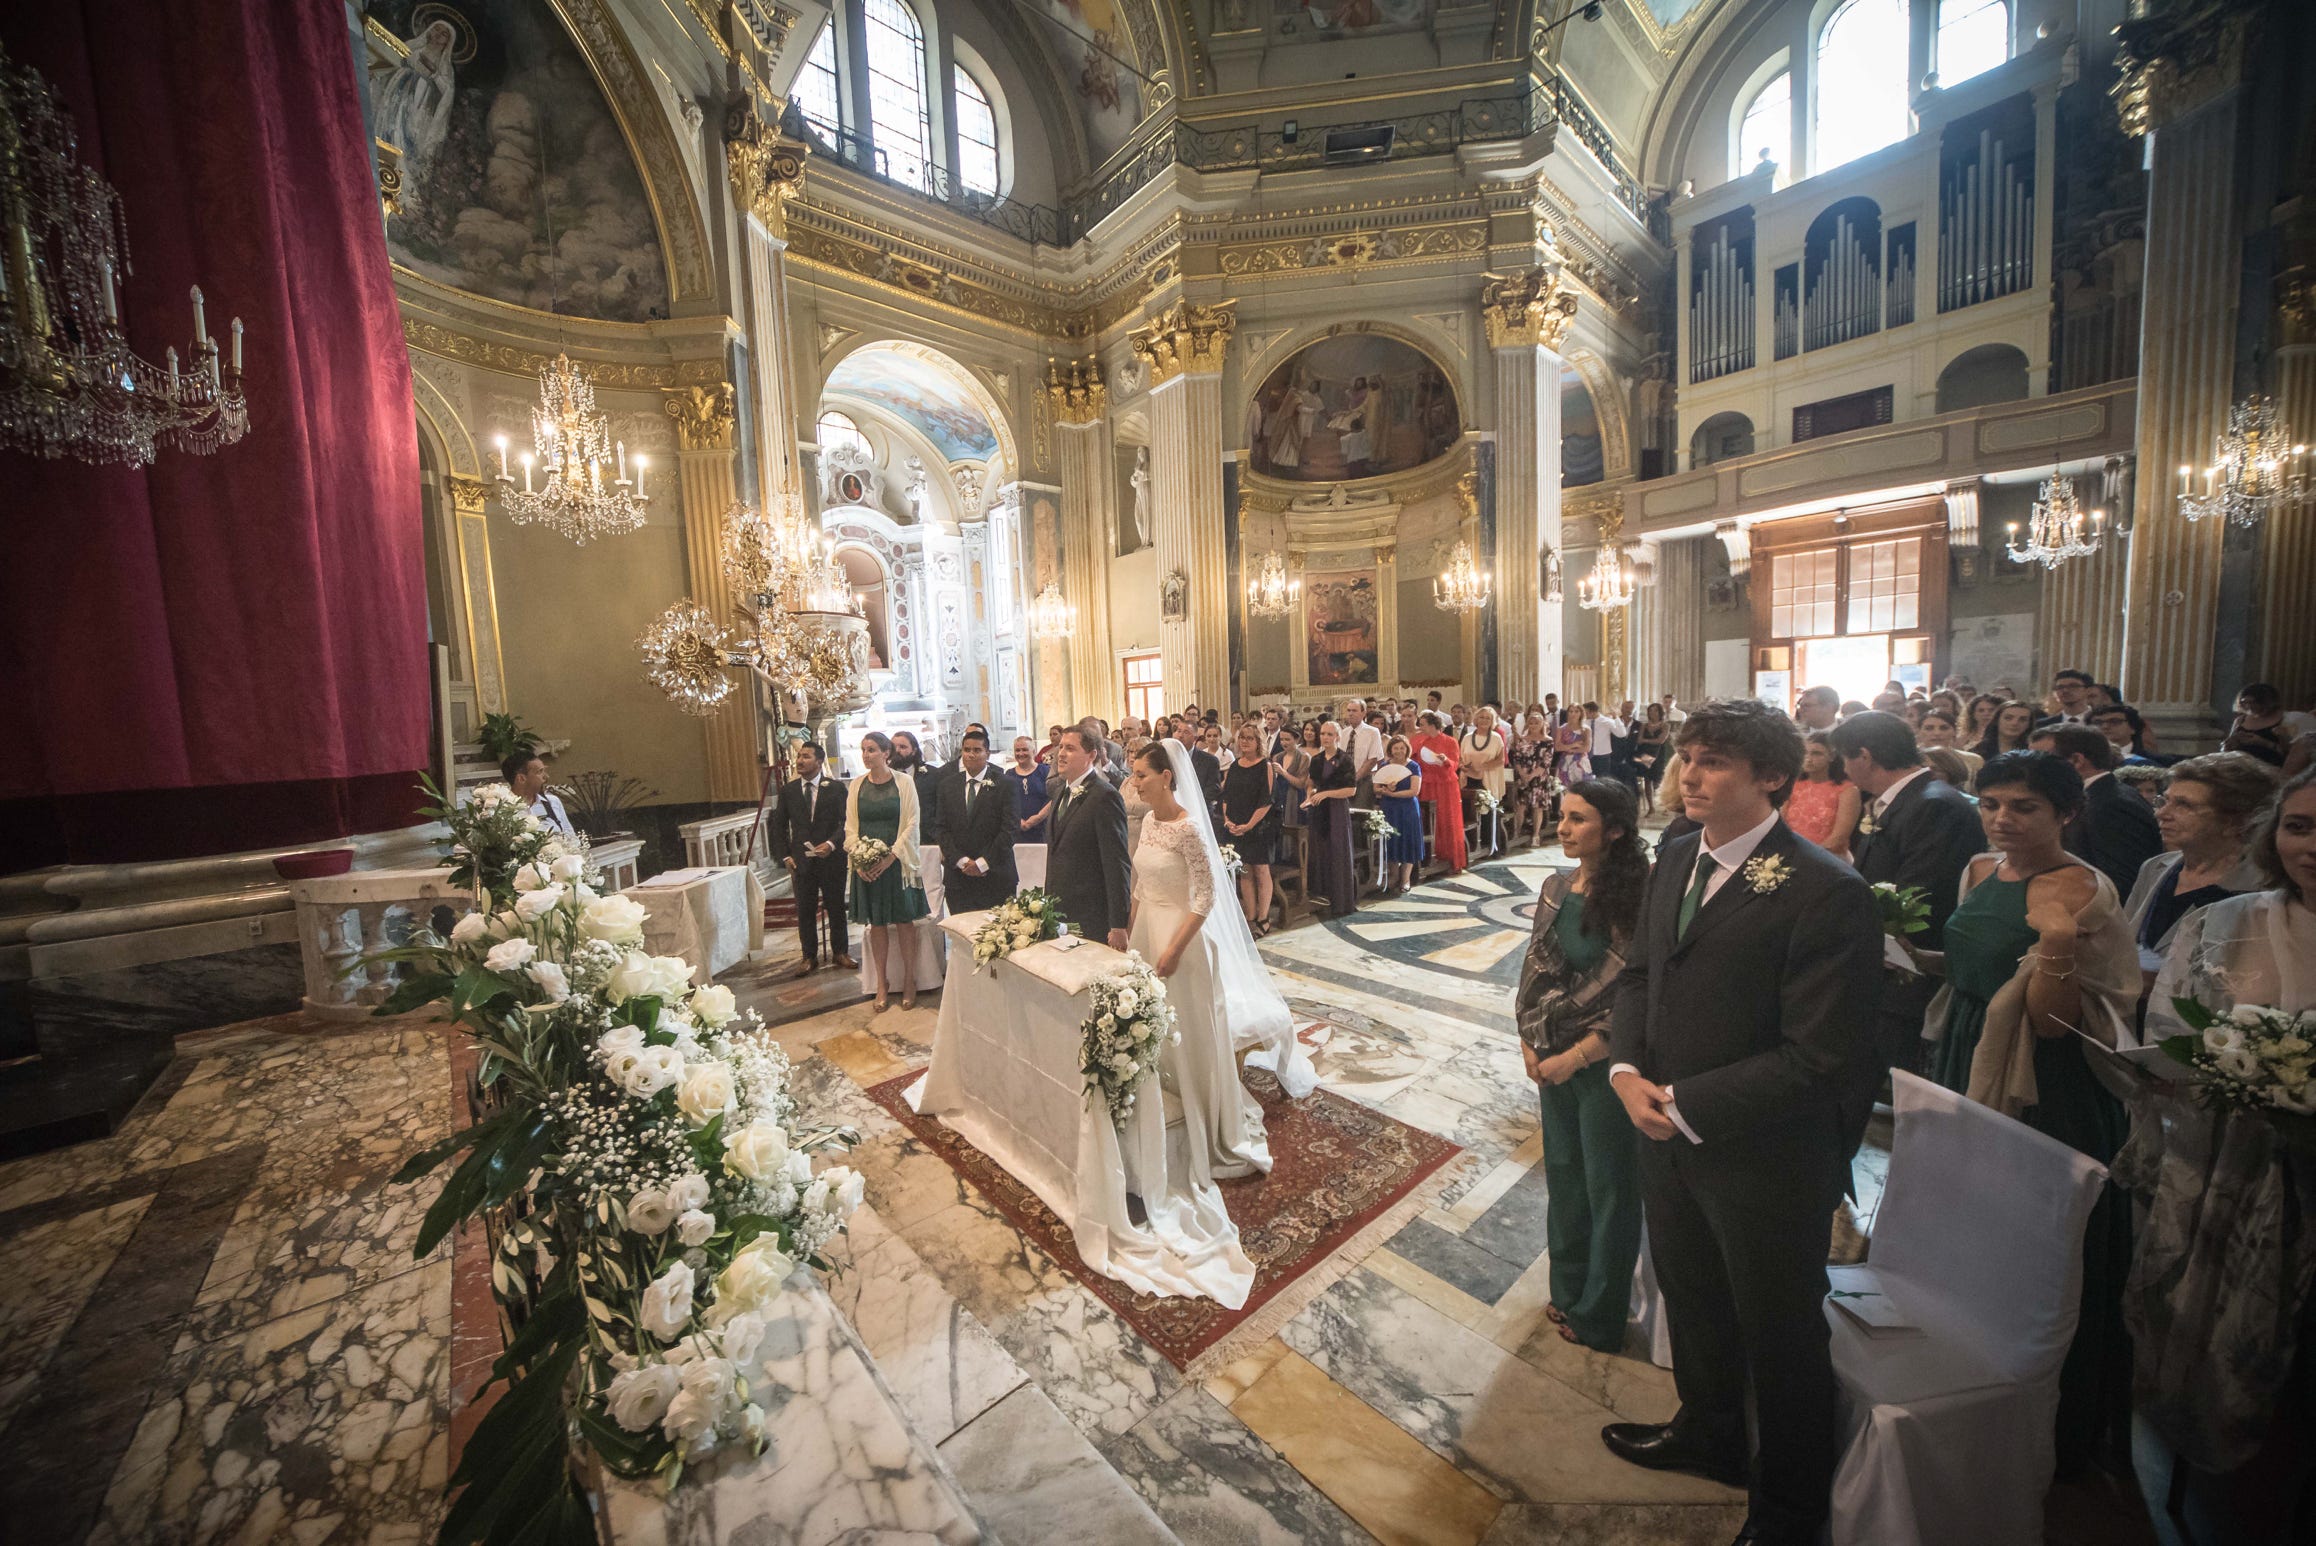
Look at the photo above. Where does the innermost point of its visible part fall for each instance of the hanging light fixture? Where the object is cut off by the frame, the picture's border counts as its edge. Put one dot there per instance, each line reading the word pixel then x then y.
pixel 2253 472
pixel 2058 528
pixel 1463 585
pixel 70 385
pixel 1271 593
pixel 583 491
pixel 1050 617
pixel 1610 586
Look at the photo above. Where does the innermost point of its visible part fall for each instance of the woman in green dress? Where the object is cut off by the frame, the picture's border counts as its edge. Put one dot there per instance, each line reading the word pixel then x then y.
pixel 2038 948
pixel 888 895
pixel 1584 923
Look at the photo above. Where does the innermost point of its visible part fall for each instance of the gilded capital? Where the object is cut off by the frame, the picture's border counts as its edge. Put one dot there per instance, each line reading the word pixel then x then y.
pixel 1074 389
pixel 1531 308
pixel 766 166
pixel 1185 339
pixel 703 416
pixel 389 179
pixel 467 494
pixel 2175 57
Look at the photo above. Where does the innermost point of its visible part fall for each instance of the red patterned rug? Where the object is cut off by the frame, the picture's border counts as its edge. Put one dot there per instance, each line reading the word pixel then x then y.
pixel 1343 1179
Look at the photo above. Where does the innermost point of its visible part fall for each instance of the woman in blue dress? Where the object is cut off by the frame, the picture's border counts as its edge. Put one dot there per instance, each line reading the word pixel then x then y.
pixel 1399 798
pixel 889 895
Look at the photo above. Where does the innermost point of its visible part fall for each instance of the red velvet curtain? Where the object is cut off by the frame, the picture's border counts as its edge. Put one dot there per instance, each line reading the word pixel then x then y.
pixel 226 651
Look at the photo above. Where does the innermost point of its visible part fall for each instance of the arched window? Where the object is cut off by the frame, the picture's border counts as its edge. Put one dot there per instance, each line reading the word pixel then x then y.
pixel 1973 37
pixel 896 92
pixel 816 95
pixel 1861 82
pixel 1767 130
pixel 834 429
pixel 976 136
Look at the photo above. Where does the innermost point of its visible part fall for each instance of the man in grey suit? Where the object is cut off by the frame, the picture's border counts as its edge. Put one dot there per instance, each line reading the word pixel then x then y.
pixel 1086 865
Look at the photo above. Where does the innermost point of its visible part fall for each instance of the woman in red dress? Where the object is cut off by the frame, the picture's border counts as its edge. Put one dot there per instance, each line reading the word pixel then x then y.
pixel 1437 753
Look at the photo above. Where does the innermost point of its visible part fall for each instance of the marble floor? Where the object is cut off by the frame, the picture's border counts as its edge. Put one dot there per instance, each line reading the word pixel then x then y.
pixel 214 1330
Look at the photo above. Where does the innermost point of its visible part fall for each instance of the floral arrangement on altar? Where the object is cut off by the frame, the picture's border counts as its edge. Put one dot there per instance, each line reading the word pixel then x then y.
pixel 866 853
pixel 1118 1041
pixel 2253 1058
pixel 494 837
pixel 657 1190
pixel 1233 862
pixel 1030 915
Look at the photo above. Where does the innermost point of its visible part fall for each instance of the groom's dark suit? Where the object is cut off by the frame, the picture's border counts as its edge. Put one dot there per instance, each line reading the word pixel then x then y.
pixel 977 822
pixel 1758 1019
pixel 1086 866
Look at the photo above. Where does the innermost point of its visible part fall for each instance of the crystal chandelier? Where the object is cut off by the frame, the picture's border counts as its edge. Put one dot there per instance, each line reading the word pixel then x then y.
pixel 2253 472
pixel 1610 586
pixel 2058 528
pixel 580 494
pixel 1050 617
pixel 69 383
pixel 1463 585
pixel 1271 593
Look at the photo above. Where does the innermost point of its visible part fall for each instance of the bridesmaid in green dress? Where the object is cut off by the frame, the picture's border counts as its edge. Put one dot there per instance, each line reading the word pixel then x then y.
pixel 2020 909
pixel 887 896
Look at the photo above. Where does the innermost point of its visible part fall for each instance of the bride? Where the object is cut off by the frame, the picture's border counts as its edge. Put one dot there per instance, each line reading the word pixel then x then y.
pixel 1222 994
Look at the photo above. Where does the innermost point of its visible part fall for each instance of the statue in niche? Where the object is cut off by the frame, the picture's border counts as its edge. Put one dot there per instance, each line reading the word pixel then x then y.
pixel 1141 482
pixel 917 489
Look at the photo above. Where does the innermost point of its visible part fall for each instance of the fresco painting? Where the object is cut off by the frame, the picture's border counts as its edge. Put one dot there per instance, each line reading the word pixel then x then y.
pixel 922 395
pixel 1352 405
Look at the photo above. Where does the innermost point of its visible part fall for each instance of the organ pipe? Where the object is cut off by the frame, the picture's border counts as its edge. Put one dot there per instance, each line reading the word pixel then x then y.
pixel 1985 227
pixel 1721 311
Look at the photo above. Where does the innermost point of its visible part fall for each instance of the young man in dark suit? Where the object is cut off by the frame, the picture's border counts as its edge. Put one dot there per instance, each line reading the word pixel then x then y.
pixel 1087 869
pixel 975 827
pixel 1742 1017
pixel 808 834
pixel 2116 833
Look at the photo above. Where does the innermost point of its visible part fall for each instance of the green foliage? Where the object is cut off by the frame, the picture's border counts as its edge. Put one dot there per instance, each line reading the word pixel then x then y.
pixel 1902 912
pixel 503 735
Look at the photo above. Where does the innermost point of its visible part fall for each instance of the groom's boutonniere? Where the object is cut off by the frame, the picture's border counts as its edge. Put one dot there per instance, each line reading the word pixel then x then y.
pixel 1767 873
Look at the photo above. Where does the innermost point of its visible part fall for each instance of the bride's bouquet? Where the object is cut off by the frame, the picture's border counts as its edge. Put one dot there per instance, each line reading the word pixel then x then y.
pixel 866 853
pixel 2252 1057
pixel 1118 1042
pixel 1031 915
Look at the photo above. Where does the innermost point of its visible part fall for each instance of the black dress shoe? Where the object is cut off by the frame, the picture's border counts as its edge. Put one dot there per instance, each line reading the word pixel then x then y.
pixel 1657 1447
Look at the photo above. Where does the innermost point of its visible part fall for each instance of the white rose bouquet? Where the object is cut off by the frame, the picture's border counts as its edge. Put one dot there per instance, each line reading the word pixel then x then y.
pixel 1233 862
pixel 866 853
pixel 2254 1058
pixel 662 1192
pixel 1031 915
pixel 501 852
pixel 1373 824
pixel 1119 1041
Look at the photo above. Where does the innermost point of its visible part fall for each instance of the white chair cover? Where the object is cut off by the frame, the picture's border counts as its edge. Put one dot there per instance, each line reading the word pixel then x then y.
pixel 1979 1242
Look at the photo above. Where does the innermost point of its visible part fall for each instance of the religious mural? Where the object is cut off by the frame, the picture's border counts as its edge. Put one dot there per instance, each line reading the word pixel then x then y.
pixel 1086 34
pixel 921 394
pixel 1582 457
pixel 1339 629
pixel 517 183
pixel 1311 21
pixel 1352 405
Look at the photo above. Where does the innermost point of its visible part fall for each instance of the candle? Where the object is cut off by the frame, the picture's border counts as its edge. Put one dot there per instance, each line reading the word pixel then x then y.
pixel 2183 477
pixel 622 448
pixel 200 327
pixel 172 358
pixel 526 472
pixel 237 346
pixel 639 477
pixel 503 459
pixel 112 302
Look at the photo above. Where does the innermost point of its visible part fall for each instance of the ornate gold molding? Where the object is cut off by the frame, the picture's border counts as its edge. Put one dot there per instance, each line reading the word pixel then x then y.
pixel 1076 391
pixel 1187 338
pixel 1358 249
pixel 432 338
pixel 389 179
pixel 878 261
pixel 703 416
pixel 2296 306
pixel 1602 505
pixel 2175 58
pixel 1531 308
pixel 766 166
pixel 467 494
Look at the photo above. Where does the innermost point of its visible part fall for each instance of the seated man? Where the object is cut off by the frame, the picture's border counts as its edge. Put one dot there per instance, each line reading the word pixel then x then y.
pixel 526 775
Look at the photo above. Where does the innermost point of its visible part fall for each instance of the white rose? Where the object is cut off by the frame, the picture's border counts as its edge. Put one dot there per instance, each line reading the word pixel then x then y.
pixel 670 977
pixel 754 1278
pixel 757 1152
pixel 667 1304
pixel 1127 1001
pixel 649 1212
pixel 509 954
pixel 504 924
pixel 693 1227
pixel 846 1186
pixel 569 867
pixel 689 1417
pixel 743 1336
pixel 470 928
pixel 2220 1036
pixel 648 1070
pixel 631 978
pixel 707 1092
pixel 551 980
pixel 714 1004
pixel 2239 1063
pixel 2250 1015
pixel 713 1380
pixel 798 1171
pixel 639 1397
pixel 531 877
pixel 584 892
pixel 614 919
pixel 1033 906
pixel 534 905
pixel 620 1038
pixel 688 1191
pixel 815 1198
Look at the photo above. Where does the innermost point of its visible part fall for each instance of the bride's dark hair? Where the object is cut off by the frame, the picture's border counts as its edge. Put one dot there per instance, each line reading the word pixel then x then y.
pixel 1624 868
pixel 1154 757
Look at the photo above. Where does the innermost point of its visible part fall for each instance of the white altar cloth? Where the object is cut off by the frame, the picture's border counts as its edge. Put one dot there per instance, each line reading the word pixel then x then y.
pixel 712 916
pixel 924 945
pixel 1005 1077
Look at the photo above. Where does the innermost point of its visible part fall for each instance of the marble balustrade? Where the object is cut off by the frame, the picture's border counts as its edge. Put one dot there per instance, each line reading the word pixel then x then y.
pixel 619 861
pixel 342 918
pixel 723 840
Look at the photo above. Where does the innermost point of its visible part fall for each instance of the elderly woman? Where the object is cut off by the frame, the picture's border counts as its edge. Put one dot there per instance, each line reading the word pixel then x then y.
pixel 2206 819
pixel 2259 948
pixel 1484 755
pixel 1328 809
pixel 1584 924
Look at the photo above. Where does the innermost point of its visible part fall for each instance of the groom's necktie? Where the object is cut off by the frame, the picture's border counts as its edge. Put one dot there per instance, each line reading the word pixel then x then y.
pixel 1696 894
pixel 972 788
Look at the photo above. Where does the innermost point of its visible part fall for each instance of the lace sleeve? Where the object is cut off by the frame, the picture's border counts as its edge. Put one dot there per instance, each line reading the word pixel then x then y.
pixel 1183 838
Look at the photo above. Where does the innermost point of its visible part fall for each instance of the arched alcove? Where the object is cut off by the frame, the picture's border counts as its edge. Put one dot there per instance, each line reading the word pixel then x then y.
pixel 868 579
pixel 1975 378
pixel 1719 438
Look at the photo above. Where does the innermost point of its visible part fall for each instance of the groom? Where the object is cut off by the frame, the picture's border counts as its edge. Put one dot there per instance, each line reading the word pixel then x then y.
pixel 1086 865
pixel 1743 1017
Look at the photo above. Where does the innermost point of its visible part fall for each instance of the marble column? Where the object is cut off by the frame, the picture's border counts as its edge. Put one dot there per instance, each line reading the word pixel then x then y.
pixel 1183 349
pixel 704 472
pixel 478 603
pixel 2287 653
pixel 1086 458
pixel 1527 315
pixel 767 170
pixel 1677 610
pixel 2187 356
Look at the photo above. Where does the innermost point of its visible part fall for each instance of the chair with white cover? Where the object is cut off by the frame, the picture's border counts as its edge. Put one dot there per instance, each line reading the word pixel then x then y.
pixel 1948 1430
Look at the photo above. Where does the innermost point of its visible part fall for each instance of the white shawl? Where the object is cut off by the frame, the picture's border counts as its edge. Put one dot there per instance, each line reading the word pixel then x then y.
pixel 904 841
